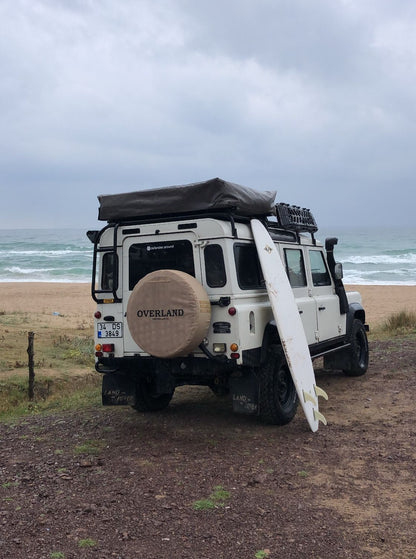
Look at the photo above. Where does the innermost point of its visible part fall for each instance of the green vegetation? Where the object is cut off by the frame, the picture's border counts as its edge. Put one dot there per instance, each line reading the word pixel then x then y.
pixel 399 324
pixel 217 499
pixel 402 322
pixel 262 554
pixel 63 365
pixel 64 392
pixel 8 484
pixel 57 555
pixel 78 350
pixel 303 473
pixel 14 318
pixel 57 347
pixel 90 447
pixel 88 542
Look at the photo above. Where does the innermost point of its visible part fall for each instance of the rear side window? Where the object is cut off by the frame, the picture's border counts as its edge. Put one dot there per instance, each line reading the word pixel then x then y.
pixel 214 266
pixel 320 275
pixel 295 267
pixel 109 274
pixel 248 268
pixel 167 255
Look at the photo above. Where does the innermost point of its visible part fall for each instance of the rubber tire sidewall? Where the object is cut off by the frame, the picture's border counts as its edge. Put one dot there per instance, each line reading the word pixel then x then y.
pixel 359 352
pixel 273 409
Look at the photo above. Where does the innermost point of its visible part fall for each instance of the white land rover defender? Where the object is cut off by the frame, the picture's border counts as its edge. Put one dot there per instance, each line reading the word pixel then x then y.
pixel 181 299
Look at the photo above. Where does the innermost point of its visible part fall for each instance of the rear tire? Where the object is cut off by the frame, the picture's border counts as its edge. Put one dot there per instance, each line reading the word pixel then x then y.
pixel 358 352
pixel 146 400
pixel 278 400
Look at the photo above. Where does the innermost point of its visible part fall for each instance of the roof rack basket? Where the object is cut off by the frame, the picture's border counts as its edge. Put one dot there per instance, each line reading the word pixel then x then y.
pixel 295 218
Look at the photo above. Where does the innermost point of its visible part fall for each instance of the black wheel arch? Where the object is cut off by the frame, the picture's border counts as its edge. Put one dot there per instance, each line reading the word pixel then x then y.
pixel 270 337
pixel 355 311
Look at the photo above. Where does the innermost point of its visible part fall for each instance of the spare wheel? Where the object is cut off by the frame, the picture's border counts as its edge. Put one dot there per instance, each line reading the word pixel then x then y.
pixel 168 313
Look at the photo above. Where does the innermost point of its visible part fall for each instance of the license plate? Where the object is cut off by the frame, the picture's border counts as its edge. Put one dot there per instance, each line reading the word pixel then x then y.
pixel 110 329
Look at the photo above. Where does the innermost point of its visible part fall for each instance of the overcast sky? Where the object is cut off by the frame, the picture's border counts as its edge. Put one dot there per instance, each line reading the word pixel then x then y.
pixel 313 98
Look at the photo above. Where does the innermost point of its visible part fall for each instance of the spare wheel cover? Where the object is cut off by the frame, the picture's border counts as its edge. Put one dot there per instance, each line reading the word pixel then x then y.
pixel 168 313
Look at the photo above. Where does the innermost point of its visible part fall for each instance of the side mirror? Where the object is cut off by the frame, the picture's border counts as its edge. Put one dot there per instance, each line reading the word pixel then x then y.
pixel 339 274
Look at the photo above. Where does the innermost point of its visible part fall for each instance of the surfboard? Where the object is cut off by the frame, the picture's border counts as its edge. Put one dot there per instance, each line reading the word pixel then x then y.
pixel 289 325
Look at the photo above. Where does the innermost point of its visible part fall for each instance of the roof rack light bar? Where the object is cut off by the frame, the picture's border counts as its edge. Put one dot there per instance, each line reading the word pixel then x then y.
pixel 295 218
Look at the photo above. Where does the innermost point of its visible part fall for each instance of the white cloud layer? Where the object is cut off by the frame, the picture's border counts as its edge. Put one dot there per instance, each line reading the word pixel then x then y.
pixel 315 99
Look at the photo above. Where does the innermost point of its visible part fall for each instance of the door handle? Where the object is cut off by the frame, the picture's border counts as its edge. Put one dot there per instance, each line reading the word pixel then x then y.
pixel 321 308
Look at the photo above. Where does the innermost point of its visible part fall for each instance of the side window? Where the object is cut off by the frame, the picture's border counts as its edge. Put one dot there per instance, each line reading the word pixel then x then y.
pixel 214 266
pixel 295 267
pixel 320 275
pixel 249 273
pixel 109 274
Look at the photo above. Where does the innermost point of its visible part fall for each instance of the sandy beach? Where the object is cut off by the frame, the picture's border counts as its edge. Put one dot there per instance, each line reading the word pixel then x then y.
pixel 381 301
pixel 49 302
pixel 74 302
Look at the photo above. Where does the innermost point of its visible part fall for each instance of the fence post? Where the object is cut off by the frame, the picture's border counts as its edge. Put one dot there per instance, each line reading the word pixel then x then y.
pixel 30 351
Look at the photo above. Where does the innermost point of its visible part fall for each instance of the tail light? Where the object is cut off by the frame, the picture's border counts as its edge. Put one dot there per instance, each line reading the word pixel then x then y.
pixel 101 349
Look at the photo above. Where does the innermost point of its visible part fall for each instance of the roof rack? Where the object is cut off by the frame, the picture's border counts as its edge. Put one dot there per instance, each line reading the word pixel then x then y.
pixel 295 218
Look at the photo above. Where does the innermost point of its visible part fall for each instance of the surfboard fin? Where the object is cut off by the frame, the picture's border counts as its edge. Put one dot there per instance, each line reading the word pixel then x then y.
pixel 319 417
pixel 321 392
pixel 309 398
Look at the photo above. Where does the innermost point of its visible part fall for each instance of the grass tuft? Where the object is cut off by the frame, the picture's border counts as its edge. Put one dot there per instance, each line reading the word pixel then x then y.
pixel 90 447
pixel 400 322
pixel 88 542
pixel 217 499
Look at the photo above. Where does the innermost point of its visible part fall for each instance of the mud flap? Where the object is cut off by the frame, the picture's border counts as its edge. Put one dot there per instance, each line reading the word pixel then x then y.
pixel 118 390
pixel 245 394
pixel 337 360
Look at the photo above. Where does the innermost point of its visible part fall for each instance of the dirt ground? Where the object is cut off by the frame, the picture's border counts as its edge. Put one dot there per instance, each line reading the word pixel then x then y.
pixel 113 483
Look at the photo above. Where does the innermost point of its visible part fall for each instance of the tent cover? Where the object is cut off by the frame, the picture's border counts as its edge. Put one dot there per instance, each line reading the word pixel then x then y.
pixel 212 195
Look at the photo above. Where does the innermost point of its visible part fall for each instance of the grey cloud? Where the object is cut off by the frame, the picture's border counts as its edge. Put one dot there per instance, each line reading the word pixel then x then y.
pixel 315 99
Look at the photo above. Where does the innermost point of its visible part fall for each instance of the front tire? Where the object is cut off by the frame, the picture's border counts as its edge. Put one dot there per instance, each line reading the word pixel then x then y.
pixel 147 400
pixel 278 400
pixel 358 352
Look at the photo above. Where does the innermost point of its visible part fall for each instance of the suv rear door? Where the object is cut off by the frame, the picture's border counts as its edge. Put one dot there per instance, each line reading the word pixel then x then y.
pixel 145 254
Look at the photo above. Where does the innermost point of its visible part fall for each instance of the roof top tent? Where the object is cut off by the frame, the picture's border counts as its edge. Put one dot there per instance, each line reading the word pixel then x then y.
pixel 213 195
pixel 215 198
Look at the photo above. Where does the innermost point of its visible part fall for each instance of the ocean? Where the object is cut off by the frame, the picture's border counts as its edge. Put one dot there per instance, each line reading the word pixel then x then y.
pixel 51 255
pixel 375 256
pixel 369 256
